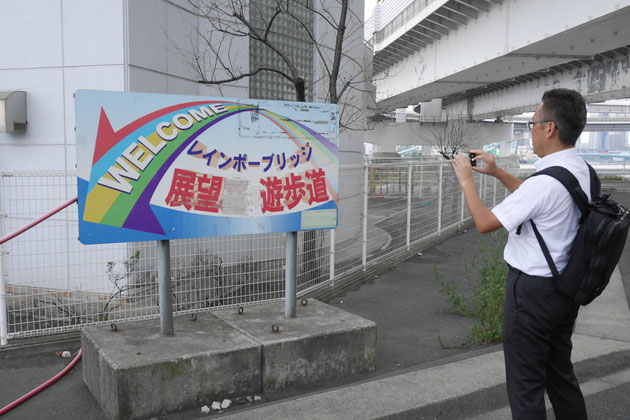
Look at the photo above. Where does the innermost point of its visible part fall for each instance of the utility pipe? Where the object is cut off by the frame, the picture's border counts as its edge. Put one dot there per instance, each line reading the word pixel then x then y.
pixel 37 221
pixel 4 321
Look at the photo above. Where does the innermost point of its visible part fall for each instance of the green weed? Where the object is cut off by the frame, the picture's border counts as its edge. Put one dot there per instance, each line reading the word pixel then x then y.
pixel 486 300
pixel 458 302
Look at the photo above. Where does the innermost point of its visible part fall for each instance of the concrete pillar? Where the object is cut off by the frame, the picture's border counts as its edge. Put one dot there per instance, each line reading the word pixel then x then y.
pixel 385 151
pixel 384 148
pixel 504 148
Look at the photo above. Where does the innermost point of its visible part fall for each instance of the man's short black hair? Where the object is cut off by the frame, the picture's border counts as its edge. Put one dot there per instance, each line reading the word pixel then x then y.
pixel 567 109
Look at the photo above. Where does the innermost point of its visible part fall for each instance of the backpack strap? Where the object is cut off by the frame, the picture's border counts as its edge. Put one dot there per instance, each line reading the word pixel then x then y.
pixel 595 183
pixel 570 182
pixel 545 250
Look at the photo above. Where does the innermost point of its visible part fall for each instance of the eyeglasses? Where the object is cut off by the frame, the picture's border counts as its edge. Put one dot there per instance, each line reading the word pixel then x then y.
pixel 531 124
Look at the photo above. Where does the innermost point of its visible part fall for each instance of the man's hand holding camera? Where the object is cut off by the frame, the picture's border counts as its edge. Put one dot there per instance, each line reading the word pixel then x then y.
pixel 463 169
pixel 490 166
pixel 464 165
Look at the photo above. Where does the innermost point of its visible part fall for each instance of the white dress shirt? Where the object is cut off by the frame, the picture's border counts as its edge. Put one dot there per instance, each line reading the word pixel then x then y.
pixel 544 200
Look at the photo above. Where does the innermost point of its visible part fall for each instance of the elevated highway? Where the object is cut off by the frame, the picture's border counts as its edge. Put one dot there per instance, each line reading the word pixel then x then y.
pixel 494 58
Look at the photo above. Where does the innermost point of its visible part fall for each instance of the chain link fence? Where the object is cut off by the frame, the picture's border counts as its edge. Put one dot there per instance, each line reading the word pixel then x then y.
pixel 54 284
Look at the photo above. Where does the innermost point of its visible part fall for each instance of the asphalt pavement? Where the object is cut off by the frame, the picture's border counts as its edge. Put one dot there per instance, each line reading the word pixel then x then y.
pixel 419 379
pixel 425 368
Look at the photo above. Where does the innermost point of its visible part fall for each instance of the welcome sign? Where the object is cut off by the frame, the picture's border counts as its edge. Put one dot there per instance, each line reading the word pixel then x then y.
pixel 154 167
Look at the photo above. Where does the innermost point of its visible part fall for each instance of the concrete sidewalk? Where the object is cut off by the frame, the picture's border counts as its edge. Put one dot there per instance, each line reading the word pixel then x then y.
pixel 603 328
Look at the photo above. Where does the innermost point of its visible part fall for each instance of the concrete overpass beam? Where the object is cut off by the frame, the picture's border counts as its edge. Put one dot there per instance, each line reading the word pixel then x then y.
pixel 596 81
pixel 467 56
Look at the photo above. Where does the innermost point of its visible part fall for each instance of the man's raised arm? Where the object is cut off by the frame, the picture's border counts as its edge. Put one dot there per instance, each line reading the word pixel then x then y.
pixel 484 219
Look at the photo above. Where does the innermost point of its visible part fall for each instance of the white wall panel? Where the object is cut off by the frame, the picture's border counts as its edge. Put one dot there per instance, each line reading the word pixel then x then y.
pixel 92 77
pixel 44 102
pixel 93 32
pixel 71 160
pixel 33 158
pixel 30 33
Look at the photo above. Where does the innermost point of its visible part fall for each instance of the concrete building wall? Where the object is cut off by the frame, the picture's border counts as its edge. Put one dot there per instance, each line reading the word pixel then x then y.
pixel 59 46
pixel 351 105
pixel 51 48
pixel 161 34
pixel 56 47
pixel 353 118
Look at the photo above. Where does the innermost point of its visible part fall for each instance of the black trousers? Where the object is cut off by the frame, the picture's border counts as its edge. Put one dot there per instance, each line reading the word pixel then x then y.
pixel 537 327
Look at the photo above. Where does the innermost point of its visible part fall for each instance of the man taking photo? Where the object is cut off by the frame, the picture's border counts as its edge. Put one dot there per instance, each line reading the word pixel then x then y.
pixel 538 321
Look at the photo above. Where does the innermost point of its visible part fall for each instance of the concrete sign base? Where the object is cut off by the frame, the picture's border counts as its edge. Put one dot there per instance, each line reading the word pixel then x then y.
pixel 135 373
pixel 322 343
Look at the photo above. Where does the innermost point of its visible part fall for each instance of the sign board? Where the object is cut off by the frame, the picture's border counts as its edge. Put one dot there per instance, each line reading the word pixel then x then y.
pixel 154 167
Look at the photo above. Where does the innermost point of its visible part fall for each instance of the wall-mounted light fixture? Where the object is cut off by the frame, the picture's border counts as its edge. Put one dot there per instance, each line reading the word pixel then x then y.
pixel 12 111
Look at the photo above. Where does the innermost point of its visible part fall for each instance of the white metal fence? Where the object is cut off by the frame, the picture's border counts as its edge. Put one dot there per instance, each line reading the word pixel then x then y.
pixel 53 283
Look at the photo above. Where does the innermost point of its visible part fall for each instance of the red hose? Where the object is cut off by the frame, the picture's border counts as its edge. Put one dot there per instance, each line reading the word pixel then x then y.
pixel 42 386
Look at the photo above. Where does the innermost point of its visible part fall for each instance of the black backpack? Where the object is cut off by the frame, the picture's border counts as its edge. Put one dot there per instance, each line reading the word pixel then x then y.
pixel 598 244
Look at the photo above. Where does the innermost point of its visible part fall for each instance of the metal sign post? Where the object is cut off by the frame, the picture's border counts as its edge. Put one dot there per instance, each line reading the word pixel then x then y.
pixel 290 278
pixel 164 287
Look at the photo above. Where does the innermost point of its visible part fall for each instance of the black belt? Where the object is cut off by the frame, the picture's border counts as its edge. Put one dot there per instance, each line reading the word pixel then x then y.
pixel 539 282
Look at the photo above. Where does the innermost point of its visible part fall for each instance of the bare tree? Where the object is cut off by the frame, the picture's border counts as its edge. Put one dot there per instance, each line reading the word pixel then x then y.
pixel 450 135
pixel 230 24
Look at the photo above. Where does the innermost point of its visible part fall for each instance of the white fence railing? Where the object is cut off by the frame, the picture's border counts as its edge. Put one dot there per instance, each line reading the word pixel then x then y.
pixel 55 284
